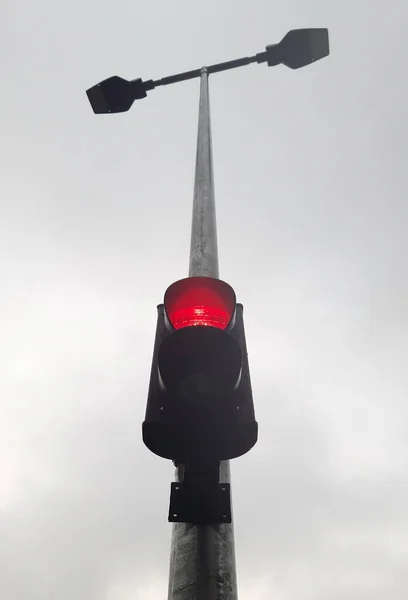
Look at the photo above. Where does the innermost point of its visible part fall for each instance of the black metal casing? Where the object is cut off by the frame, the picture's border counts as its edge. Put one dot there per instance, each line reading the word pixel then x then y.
pixel 173 430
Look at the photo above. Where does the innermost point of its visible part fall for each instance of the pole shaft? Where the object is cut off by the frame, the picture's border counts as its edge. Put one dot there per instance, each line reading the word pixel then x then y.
pixel 203 248
pixel 202 558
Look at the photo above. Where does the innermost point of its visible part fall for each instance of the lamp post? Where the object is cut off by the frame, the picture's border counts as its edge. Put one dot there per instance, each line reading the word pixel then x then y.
pixel 202 560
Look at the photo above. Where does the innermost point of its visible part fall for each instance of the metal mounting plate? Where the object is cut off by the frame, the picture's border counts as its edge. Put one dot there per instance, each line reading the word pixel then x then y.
pixel 203 505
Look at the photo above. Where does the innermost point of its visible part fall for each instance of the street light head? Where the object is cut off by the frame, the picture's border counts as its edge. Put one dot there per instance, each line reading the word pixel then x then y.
pixel 115 95
pixel 299 47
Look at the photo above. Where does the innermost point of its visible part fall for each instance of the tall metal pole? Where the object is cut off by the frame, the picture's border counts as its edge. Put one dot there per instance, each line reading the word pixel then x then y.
pixel 203 249
pixel 202 559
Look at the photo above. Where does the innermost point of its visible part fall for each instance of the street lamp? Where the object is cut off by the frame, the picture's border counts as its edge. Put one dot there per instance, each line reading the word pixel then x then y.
pixel 299 47
pixel 200 411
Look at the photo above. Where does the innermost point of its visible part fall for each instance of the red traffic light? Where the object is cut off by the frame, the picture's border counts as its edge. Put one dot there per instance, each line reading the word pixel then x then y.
pixel 202 301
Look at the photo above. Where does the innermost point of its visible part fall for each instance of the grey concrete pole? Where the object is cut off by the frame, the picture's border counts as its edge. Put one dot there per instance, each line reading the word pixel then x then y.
pixel 202 559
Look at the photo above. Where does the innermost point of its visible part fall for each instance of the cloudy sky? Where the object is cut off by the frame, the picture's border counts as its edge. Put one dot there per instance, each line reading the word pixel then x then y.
pixel 311 186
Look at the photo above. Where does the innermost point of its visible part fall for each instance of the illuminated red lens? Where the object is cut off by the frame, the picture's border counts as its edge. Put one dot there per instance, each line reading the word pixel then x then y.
pixel 200 301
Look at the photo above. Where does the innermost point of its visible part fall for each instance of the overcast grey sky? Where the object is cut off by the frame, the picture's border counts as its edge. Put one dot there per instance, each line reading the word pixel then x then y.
pixel 311 186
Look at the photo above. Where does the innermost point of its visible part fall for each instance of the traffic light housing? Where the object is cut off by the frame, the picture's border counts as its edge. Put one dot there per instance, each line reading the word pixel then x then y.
pixel 200 408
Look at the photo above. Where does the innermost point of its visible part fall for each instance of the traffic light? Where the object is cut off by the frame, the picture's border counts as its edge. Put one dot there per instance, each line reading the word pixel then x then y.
pixel 200 409
pixel 200 398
